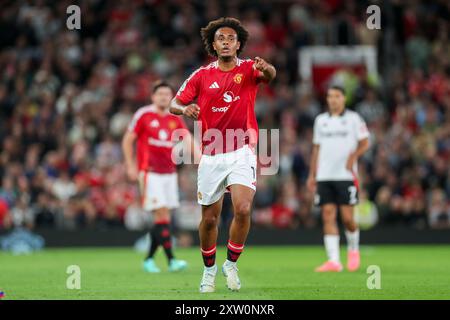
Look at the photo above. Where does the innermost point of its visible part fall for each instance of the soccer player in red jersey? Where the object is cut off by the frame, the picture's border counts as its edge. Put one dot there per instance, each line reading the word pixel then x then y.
pixel 152 127
pixel 225 92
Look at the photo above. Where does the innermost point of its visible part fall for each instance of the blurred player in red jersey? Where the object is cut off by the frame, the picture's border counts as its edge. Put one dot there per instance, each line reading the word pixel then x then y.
pixel 152 127
pixel 225 92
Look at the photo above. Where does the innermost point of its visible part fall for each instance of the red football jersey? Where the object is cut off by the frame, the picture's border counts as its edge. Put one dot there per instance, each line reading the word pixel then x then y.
pixel 226 100
pixel 154 143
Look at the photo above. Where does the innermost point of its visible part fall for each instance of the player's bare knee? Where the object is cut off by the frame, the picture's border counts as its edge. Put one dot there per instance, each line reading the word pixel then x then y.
pixel 210 222
pixel 162 214
pixel 328 214
pixel 242 210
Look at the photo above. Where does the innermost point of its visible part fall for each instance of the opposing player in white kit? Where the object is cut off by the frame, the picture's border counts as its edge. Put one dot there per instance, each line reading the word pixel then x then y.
pixel 340 138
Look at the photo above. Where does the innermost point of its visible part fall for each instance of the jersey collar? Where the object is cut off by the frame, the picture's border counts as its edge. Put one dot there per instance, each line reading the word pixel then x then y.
pixel 340 114
pixel 155 109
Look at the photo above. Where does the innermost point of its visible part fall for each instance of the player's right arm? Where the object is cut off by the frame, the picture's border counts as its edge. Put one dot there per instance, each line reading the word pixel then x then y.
pixel 182 104
pixel 127 147
pixel 191 110
pixel 311 182
pixel 362 135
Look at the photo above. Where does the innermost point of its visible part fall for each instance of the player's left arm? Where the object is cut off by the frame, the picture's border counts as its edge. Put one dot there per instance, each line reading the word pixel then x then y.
pixel 267 70
pixel 363 146
pixel 362 134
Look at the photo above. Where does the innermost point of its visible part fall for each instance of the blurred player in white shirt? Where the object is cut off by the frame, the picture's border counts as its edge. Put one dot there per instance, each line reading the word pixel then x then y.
pixel 340 138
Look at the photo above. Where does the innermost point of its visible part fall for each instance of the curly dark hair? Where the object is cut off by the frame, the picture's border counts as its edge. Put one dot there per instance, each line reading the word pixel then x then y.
pixel 209 31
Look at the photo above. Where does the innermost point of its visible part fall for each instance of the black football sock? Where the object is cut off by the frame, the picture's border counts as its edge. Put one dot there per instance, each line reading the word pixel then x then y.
pixel 154 243
pixel 234 250
pixel 165 239
pixel 209 256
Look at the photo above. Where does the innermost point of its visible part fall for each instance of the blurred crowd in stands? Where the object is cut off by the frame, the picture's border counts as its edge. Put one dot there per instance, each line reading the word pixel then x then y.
pixel 66 97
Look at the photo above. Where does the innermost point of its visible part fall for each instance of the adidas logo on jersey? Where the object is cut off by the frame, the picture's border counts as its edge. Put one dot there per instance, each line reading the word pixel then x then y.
pixel 214 85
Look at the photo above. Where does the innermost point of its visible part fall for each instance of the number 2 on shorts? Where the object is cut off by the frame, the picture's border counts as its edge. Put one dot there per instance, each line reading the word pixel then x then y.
pixel 352 190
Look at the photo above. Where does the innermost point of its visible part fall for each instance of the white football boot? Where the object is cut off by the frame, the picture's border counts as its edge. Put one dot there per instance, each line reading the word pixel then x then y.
pixel 208 284
pixel 229 270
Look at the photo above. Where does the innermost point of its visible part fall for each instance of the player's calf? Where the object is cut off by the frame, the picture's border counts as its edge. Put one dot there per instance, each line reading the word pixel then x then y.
pixel 352 236
pixel 229 268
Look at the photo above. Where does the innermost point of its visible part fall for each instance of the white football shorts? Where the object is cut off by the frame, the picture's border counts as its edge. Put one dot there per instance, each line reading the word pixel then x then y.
pixel 158 190
pixel 217 172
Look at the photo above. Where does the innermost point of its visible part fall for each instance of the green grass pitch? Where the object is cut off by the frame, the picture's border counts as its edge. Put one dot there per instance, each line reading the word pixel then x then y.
pixel 407 272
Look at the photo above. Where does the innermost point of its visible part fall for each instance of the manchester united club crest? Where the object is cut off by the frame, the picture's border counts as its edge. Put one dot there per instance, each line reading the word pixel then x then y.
pixel 238 78
pixel 172 124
